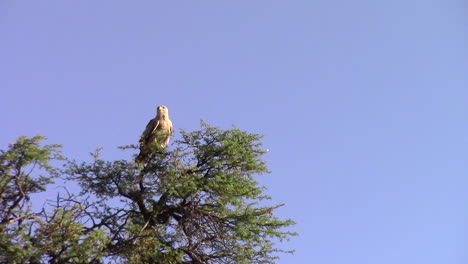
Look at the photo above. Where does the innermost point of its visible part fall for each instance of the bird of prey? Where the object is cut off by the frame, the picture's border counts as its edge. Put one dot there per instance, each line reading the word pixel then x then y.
pixel 158 131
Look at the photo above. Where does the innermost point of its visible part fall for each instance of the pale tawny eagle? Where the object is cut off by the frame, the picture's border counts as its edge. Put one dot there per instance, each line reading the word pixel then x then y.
pixel 158 131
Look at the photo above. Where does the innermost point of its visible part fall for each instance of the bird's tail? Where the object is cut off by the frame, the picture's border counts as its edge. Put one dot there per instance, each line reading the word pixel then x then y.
pixel 141 158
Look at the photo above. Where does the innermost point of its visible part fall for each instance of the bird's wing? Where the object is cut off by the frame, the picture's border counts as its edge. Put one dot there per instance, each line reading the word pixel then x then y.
pixel 156 126
pixel 152 125
pixel 170 130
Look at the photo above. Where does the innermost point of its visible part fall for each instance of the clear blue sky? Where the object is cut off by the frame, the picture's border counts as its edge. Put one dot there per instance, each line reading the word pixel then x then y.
pixel 363 104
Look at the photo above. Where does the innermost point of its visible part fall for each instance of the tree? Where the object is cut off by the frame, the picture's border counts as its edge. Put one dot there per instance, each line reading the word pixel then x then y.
pixel 56 236
pixel 198 203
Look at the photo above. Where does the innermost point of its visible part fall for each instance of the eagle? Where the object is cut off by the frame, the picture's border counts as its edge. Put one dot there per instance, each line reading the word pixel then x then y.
pixel 158 131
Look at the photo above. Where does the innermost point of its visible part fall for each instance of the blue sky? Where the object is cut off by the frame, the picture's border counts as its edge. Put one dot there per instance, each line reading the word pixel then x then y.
pixel 362 104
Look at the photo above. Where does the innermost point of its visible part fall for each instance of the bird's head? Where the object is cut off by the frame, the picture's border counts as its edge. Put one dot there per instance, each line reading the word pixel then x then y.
pixel 162 111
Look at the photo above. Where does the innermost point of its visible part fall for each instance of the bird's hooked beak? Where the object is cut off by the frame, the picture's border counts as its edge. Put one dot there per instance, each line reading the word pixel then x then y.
pixel 161 110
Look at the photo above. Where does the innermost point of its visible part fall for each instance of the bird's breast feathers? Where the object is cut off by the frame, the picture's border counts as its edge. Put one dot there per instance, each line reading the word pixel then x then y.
pixel 164 125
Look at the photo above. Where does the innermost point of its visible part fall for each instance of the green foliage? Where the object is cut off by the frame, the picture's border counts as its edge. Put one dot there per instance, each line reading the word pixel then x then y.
pixel 40 237
pixel 63 237
pixel 196 203
pixel 16 166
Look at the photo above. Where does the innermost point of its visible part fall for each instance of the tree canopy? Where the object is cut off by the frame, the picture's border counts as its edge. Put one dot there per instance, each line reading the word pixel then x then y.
pixel 195 203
